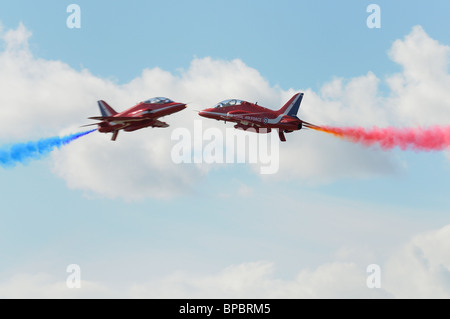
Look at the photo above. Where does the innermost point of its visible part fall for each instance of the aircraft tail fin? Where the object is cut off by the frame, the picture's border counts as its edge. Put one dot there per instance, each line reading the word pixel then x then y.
pixel 105 109
pixel 292 106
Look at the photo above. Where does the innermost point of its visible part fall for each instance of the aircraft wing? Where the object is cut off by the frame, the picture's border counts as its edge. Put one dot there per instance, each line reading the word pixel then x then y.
pixel 127 120
pixel 157 123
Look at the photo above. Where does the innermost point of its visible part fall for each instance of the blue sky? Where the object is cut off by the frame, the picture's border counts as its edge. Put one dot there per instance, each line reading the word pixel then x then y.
pixel 290 41
pixel 225 231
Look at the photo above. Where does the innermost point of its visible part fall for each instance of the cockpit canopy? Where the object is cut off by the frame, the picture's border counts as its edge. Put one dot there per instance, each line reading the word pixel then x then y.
pixel 158 100
pixel 229 103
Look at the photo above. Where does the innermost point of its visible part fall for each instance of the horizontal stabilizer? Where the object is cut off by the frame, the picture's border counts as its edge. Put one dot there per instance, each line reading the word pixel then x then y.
pixel 100 118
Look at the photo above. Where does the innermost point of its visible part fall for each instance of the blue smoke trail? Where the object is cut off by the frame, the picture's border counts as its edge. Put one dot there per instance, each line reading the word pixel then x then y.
pixel 23 152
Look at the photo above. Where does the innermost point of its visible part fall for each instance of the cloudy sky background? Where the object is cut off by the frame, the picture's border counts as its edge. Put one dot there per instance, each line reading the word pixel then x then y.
pixel 139 225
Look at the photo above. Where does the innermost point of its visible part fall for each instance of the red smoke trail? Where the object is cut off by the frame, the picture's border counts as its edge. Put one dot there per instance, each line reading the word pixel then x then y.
pixel 435 138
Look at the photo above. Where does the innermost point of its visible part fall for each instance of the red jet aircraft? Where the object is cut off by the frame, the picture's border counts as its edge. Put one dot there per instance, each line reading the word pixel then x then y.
pixel 262 120
pixel 139 116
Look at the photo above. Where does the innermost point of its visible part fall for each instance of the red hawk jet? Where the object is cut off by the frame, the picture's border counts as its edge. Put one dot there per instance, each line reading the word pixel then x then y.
pixel 260 119
pixel 142 115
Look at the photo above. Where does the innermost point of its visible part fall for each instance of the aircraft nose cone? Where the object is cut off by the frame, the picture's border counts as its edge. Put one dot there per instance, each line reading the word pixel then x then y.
pixel 180 106
pixel 204 113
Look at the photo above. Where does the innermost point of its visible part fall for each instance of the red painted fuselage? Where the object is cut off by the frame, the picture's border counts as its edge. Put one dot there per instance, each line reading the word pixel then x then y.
pixel 252 117
pixel 144 114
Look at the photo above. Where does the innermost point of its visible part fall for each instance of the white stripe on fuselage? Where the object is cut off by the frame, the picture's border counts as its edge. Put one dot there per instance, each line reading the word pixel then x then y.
pixel 241 116
pixel 275 120
pixel 164 108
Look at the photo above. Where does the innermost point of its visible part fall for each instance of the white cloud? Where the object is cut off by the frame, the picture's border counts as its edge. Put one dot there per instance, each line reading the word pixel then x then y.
pixel 138 165
pixel 420 94
pixel 41 285
pixel 133 168
pixel 346 102
pixel 256 280
pixel 418 269
pixel 421 269
pixel 17 40
pixel 317 159
pixel 246 280
pixel 41 97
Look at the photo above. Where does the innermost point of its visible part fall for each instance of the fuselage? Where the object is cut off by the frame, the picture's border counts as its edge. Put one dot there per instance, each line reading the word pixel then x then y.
pixel 249 115
pixel 142 115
